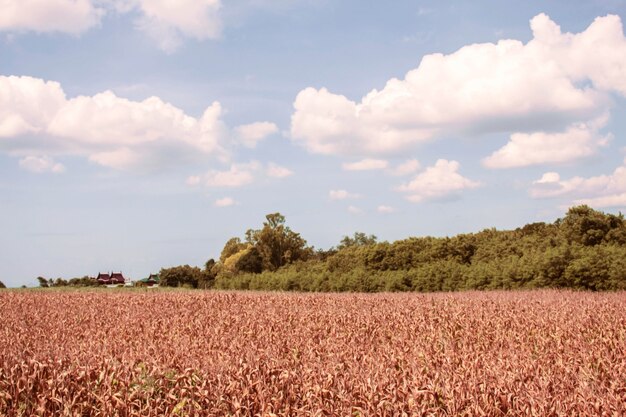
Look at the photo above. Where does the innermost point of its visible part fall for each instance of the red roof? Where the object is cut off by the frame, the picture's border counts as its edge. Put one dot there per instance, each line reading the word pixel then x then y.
pixel 117 278
pixel 113 278
pixel 105 278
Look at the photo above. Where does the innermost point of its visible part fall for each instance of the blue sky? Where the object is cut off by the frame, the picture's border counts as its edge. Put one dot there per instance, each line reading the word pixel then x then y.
pixel 139 134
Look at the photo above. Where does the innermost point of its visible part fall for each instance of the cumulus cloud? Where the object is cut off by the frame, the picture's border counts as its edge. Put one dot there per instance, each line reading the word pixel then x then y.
pixel 28 105
pixel 69 16
pixel 550 84
pixel 224 202
pixel 276 171
pixel 598 191
pixel 342 195
pixel 36 117
pixel 437 182
pixel 41 164
pixel 167 22
pixel 385 209
pixel 525 149
pixel 251 134
pixel 365 165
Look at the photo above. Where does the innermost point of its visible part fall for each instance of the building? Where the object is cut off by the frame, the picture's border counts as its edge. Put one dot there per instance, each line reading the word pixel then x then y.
pixel 151 281
pixel 114 278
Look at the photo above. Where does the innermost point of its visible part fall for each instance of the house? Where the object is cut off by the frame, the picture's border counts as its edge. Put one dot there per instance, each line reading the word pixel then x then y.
pixel 151 281
pixel 117 278
pixel 114 278
pixel 103 279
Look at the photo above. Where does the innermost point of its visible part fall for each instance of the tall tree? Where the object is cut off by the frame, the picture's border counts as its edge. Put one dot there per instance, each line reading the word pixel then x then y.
pixel 276 244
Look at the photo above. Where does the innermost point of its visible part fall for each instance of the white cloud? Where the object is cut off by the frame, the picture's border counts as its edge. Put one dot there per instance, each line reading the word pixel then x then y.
pixel 276 171
pixel 251 134
pixel 167 22
pixel 612 200
pixel 548 178
pixel 28 105
pixel 121 159
pixel 385 209
pixel 555 81
pixel 526 149
pixel 37 118
pixel 354 210
pixel 342 195
pixel 406 168
pixel 238 175
pixel 365 165
pixel 224 202
pixel 69 16
pixel 599 191
pixel 41 164
pixel 106 118
pixel 437 182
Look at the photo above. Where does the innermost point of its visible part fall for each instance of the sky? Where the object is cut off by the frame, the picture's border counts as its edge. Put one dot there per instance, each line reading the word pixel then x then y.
pixel 141 134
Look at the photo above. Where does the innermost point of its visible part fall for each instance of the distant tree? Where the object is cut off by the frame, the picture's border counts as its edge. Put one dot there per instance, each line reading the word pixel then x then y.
pixel 84 281
pixel 589 227
pixel 60 282
pixel 43 283
pixel 2 285
pixel 276 244
pixel 179 276
pixel 208 275
pixel 359 239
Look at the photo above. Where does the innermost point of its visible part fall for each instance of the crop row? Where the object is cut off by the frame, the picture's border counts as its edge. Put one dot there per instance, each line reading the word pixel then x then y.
pixel 130 353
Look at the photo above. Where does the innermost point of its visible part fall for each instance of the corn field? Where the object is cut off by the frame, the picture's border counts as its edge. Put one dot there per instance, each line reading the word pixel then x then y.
pixel 153 353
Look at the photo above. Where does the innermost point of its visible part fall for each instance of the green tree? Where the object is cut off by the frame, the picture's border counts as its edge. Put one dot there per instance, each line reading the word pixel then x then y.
pixel 2 285
pixel 589 227
pixel 43 283
pixel 181 276
pixel 276 244
pixel 208 275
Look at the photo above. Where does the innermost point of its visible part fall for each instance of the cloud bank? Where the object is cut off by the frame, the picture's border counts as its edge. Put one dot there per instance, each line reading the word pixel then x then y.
pixel 600 191
pixel 36 118
pixel 554 90
pixel 167 22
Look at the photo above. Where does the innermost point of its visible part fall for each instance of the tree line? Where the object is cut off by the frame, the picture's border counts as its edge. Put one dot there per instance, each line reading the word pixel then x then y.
pixel 586 249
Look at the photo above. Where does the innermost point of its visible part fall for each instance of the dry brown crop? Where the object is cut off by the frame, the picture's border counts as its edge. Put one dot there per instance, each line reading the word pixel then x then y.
pixel 132 353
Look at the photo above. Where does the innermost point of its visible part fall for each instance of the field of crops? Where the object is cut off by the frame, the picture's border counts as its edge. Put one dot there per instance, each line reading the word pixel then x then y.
pixel 123 353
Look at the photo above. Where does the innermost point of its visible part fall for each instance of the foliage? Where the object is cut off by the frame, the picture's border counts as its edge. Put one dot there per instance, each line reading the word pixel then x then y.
pixel 2 285
pixel 73 282
pixel 182 276
pixel 584 250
